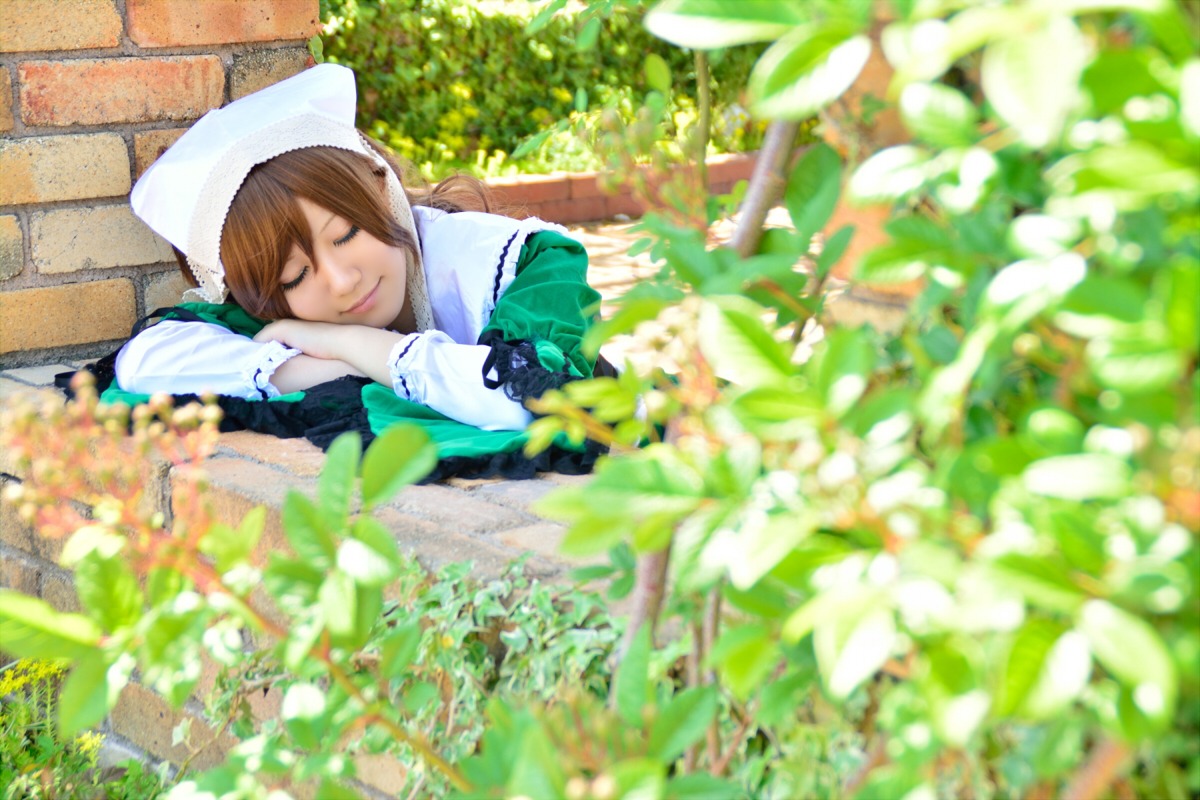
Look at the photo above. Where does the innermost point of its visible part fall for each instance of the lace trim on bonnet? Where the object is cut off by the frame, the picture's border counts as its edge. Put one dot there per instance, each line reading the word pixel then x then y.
pixel 222 184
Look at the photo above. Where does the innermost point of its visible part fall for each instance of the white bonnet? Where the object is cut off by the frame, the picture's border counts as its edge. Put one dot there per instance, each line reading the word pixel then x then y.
pixel 185 195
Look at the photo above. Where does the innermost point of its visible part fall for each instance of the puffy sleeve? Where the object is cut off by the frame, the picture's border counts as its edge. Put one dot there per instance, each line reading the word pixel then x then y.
pixel 195 357
pixel 549 304
pixel 532 342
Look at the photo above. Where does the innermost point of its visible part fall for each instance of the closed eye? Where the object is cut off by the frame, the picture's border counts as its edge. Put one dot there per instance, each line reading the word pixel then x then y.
pixel 349 235
pixel 292 284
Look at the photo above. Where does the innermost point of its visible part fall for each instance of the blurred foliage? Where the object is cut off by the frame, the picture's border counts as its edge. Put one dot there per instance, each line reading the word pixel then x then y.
pixel 461 85
pixel 957 559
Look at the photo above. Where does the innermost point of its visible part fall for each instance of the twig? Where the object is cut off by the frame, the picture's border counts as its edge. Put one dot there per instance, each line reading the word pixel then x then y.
pixel 766 185
pixel 876 758
pixel 1101 768
pixel 712 618
pixel 704 124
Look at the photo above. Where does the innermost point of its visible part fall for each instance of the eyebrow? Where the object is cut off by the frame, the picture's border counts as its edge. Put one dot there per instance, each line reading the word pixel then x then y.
pixel 326 225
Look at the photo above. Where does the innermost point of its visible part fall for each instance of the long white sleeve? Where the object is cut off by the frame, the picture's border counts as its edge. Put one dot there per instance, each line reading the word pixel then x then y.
pixel 197 357
pixel 432 369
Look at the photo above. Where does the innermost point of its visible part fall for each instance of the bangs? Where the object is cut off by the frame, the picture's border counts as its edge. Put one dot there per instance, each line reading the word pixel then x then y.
pixel 264 222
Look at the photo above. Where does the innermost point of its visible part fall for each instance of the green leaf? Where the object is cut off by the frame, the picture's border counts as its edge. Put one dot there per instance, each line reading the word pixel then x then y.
pixel 889 175
pixel 108 589
pixel 588 35
pixel 398 649
pixel 537 770
pixel 708 24
pixel 834 249
pixel 1139 361
pixel 532 143
pixel 812 190
pixel 760 544
pixel 303 705
pixel 1026 658
pixel 370 555
pixel 581 100
pixel 807 70
pixel 1088 476
pixel 89 693
pixel 1133 651
pixel 1042 581
pixel 633 678
pixel 847 360
pixel 1061 679
pixel 31 628
pixel 852 644
pixel 543 16
pixel 744 656
pixel 1032 79
pixel 701 786
pixel 682 722
pixel 401 455
pixel 339 604
pixel 739 346
pixel 336 483
pixel 229 547
pixel 938 114
pixel 658 74
pixel 306 531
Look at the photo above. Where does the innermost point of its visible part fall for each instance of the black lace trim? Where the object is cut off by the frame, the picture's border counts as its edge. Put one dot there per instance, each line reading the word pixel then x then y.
pixel 500 268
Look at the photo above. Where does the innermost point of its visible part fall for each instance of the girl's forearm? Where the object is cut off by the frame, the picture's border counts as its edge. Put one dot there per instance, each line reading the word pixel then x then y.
pixel 367 350
pixel 303 372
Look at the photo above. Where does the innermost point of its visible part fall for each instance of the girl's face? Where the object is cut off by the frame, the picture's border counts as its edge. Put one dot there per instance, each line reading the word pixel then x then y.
pixel 354 279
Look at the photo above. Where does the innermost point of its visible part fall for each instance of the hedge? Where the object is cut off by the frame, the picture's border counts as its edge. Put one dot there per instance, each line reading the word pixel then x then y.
pixel 445 82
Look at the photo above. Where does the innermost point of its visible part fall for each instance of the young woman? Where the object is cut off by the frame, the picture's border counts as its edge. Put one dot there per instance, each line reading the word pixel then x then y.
pixel 332 302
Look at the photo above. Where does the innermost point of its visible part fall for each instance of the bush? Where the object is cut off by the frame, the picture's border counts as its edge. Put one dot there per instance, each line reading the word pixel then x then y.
pixel 452 85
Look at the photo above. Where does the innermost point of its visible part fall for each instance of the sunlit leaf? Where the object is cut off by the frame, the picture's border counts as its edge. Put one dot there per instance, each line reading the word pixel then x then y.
pixel 31 628
pixel 682 722
pixel 807 70
pixel 812 190
pixel 336 482
pixel 707 24
pixel 1085 476
pixel 658 74
pixel 938 114
pixel 633 678
pixel 1133 651
pixel 401 455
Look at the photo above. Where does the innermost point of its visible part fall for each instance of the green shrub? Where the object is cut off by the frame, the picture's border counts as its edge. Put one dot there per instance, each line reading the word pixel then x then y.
pixel 452 85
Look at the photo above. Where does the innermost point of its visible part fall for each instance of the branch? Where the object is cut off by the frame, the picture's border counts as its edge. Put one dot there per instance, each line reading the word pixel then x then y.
pixel 767 183
pixel 1105 761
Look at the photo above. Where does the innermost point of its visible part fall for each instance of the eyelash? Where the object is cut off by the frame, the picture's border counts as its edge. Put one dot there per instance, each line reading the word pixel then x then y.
pixel 292 284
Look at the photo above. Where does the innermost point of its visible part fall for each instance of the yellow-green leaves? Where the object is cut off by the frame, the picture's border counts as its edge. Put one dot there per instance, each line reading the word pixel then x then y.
pixel 708 24
pixel 401 455
pixel 1032 79
pixel 32 628
pixel 807 70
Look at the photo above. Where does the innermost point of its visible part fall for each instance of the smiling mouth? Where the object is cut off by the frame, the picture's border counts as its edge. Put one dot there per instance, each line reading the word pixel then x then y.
pixel 365 303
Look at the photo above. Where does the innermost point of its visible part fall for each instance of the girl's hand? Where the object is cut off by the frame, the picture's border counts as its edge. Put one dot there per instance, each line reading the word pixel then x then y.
pixel 316 339
pixel 364 348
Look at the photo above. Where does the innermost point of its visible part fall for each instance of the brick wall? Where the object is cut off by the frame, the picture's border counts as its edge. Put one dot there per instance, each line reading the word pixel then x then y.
pixel 90 93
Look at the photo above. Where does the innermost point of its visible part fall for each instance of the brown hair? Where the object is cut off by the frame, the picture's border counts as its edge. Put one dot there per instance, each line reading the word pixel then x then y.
pixel 265 221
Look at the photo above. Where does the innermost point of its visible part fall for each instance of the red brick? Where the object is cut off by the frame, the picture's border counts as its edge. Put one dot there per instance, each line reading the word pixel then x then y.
pixel 259 69
pixel 60 593
pixel 294 456
pixel 101 91
pixel 20 574
pixel 6 100
pixel 457 511
pixel 58 25
pixel 584 184
pixel 731 168
pixel 570 211
pixel 185 23
pixel 623 204
pixel 531 188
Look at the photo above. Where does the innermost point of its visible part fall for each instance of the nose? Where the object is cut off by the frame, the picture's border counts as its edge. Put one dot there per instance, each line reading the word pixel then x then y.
pixel 341 275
